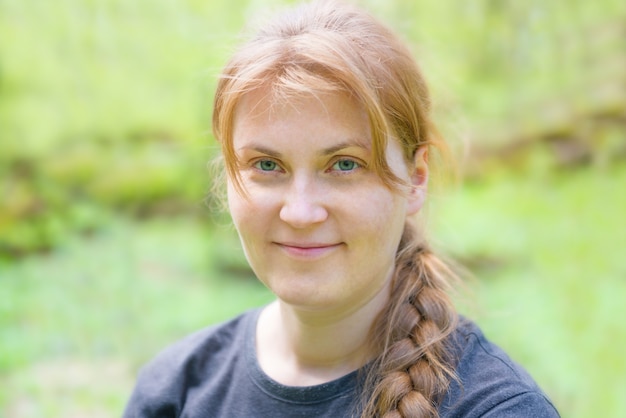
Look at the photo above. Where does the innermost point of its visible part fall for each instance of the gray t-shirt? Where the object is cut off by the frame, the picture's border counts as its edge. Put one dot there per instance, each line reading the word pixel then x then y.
pixel 215 373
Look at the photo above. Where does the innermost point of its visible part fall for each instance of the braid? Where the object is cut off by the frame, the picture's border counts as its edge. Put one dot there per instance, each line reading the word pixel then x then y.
pixel 411 376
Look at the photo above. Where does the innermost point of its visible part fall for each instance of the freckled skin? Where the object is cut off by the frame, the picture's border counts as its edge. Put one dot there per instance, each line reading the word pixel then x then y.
pixel 319 228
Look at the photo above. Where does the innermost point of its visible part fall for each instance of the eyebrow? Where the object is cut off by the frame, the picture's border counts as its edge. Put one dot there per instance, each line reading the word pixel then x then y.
pixel 343 145
pixel 324 152
pixel 262 150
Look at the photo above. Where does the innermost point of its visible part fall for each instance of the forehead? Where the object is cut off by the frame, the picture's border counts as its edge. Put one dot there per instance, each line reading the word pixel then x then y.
pixel 272 101
pixel 325 113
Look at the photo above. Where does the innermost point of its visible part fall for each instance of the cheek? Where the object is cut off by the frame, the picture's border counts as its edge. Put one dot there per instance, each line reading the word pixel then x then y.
pixel 243 215
pixel 252 211
pixel 241 209
pixel 383 217
pixel 236 203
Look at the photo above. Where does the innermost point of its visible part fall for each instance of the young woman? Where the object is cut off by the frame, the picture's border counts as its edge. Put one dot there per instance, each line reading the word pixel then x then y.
pixel 323 119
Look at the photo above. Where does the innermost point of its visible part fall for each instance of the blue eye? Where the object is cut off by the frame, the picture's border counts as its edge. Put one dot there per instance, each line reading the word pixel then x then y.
pixel 345 165
pixel 266 165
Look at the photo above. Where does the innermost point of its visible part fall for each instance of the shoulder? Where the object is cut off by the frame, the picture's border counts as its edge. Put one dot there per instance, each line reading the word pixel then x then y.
pixel 202 346
pixel 163 382
pixel 490 383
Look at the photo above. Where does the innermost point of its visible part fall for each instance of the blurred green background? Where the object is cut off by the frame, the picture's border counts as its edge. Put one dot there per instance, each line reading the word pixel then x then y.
pixel 109 247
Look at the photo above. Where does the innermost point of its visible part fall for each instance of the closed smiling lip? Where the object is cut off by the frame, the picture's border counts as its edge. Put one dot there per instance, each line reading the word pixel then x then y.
pixel 307 249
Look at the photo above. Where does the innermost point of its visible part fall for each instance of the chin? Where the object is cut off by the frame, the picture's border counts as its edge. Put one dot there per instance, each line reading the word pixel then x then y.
pixel 310 300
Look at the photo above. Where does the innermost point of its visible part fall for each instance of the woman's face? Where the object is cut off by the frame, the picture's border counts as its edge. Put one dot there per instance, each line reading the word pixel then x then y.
pixel 319 227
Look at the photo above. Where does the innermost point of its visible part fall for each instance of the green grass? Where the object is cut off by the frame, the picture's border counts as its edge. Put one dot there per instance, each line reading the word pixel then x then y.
pixel 551 282
pixel 549 287
pixel 104 305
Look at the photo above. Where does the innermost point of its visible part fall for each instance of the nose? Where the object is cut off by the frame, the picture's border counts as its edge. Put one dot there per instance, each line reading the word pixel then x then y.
pixel 303 205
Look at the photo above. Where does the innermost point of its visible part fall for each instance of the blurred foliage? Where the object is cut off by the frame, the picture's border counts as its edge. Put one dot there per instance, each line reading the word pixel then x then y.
pixel 105 109
pixel 105 105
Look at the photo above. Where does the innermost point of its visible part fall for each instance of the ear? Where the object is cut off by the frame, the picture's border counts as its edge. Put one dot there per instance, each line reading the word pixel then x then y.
pixel 419 181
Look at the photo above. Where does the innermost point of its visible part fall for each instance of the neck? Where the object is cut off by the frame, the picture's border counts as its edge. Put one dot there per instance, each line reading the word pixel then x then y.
pixel 304 348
